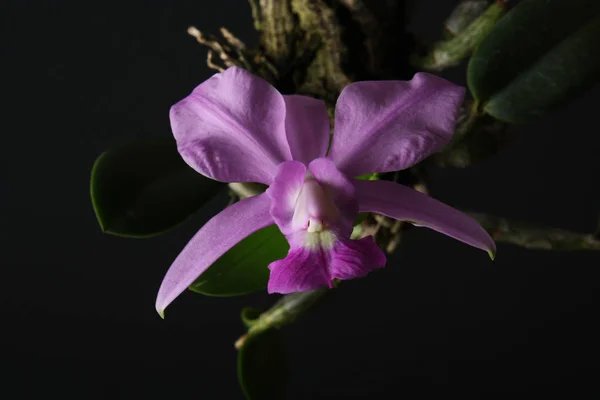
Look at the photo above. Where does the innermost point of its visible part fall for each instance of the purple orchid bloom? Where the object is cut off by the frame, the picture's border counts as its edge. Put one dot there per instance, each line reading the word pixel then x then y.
pixel 236 127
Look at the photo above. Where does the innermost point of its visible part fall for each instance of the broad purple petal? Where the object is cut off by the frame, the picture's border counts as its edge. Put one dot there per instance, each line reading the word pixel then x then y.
pixel 383 126
pixel 355 258
pixel 341 190
pixel 307 127
pixel 300 271
pixel 284 192
pixel 403 203
pixel 216 237
pixel 231 128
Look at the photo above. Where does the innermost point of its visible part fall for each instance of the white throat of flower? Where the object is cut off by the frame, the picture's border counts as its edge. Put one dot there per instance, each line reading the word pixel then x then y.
pixel 315 214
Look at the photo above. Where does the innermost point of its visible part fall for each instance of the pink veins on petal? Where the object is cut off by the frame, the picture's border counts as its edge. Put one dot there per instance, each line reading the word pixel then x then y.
pixel 236 127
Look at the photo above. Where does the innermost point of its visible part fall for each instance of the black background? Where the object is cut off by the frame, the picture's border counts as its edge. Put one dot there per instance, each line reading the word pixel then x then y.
pixel 78 317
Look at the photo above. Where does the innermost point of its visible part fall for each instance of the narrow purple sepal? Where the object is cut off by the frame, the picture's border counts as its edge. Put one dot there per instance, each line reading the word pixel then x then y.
pixel 215 238
pixel 403 203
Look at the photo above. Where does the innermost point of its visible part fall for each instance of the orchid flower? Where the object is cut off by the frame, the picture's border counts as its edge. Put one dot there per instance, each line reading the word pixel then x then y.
pixel 236 127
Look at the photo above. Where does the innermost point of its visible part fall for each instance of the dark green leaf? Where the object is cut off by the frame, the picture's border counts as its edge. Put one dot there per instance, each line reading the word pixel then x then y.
pixel 262 366
pixel 561 74
pixel 243 269
pixel 541 54
pixel 145 188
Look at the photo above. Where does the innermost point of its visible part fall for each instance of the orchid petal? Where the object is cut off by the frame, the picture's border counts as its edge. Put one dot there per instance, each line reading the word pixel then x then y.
pixel 231 128
pixel 284 192
pixel 403 203
pixel 307 127
pixel 383 126
pixel 302 270
pixel 356 258
pixel 215 238
pixel 340 189
pixel 309 267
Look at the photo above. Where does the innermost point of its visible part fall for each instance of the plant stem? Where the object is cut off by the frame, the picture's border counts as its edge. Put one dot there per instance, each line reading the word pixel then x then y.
pixel 463 14
pixel 451 52
pixel 533 236
pixel 284 312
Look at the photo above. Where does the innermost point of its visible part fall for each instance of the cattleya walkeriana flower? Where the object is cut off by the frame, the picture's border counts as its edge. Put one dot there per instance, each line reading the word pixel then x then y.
pixel 236 127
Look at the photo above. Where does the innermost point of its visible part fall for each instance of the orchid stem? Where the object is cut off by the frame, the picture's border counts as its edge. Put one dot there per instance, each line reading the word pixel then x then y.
pixel 451 52
pixel 284 312
pixel 533 236
pixel 463 15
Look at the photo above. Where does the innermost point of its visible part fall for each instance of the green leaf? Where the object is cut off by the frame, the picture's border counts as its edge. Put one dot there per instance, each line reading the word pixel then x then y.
pixel 243 269
pixel 262 366
pixel 540 55
pixel 368 177
pixel 561 74
pixel 145 188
